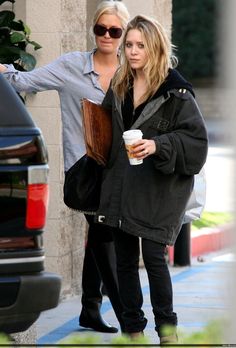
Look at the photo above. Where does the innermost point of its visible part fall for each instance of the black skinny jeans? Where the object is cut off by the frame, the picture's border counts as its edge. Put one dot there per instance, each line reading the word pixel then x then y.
pixel 127 254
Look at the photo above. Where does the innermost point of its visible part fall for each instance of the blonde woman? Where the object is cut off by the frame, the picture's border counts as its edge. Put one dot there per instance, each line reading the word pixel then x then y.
pixel 74 76
pixel 148 200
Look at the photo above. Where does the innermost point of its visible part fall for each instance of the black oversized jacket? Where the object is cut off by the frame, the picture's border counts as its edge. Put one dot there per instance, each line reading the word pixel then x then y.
pixel 149 200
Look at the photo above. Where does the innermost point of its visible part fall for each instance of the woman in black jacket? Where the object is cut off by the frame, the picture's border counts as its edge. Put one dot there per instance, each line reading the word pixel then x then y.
pixel 149 200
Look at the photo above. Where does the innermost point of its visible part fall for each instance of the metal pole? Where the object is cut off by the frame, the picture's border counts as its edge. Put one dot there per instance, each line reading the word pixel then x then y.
pixel 182 247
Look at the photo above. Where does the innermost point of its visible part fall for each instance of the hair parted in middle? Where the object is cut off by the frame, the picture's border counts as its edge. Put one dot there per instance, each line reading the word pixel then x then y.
pixel 159 52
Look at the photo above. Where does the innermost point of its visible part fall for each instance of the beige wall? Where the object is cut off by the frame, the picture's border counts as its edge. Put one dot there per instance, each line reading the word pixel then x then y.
pixel 160 9
pixel 61 26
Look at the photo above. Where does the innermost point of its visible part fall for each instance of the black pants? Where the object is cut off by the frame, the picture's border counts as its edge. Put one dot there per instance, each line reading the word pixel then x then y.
pixel 91 280
pixel 127 253
pixel 100 265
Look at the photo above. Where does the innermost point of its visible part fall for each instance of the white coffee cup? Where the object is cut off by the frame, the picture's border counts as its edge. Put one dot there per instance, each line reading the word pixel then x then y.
pixel 130 137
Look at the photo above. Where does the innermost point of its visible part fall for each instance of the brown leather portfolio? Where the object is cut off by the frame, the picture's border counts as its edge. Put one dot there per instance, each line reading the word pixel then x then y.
pixel 97 131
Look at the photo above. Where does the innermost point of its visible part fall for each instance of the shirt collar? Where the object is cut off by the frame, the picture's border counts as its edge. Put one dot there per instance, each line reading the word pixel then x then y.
pixel 89 66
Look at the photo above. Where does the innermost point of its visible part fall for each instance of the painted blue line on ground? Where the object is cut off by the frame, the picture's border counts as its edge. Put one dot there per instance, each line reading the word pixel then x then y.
pixel 72 326
pixel 60 332
pixel 182 276
pixel 181 325
pixel 202 306
pixel 192 325
pixel 212 293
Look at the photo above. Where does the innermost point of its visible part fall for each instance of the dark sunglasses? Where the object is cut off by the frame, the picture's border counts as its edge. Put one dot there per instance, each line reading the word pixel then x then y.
pixel 114 32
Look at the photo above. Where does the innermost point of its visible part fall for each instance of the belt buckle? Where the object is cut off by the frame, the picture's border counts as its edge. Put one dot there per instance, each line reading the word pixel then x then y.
pixel 101 218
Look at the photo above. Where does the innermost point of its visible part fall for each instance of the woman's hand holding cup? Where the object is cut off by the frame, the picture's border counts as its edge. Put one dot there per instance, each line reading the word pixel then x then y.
pixel 137 148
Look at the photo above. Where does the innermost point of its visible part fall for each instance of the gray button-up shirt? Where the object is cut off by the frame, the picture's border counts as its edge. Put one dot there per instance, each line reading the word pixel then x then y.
pixel 72 75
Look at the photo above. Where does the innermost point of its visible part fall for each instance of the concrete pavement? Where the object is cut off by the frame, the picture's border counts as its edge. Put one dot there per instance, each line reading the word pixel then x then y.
pixel 200 294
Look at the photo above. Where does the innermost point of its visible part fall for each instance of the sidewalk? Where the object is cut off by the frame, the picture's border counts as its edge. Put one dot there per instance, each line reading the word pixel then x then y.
pixel 199 296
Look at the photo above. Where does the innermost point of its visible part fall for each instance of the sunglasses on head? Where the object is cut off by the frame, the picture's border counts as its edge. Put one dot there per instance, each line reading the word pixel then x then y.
pixel 114 32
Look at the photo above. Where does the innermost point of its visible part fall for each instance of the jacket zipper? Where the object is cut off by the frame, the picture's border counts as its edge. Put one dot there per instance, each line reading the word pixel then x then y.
pixel 120 221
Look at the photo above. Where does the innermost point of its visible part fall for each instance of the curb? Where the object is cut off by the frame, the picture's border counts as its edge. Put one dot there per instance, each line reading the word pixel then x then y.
pixel 207 240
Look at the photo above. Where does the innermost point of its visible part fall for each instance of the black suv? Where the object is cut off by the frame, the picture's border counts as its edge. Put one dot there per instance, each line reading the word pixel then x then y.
pixel 25 289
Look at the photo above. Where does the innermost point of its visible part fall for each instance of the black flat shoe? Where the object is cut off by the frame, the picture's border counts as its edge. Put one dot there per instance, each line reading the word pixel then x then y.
pixel 92 319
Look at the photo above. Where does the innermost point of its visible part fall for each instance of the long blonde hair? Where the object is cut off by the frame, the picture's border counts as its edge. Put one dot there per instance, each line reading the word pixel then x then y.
pixel 159 51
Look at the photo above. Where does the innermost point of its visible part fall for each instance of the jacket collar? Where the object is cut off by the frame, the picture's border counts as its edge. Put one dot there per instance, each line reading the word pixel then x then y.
pixel 118 107
pixel 151 108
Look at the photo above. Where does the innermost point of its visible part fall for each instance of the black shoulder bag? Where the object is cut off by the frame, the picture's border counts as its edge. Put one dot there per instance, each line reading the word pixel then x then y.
pixel 82 186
